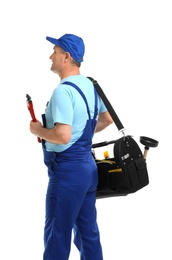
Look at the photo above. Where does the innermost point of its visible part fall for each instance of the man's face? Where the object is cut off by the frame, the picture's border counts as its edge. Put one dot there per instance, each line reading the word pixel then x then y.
pixel 57 59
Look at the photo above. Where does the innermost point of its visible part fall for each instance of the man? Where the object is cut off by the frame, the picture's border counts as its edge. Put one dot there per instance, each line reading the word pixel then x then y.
pixel 74 113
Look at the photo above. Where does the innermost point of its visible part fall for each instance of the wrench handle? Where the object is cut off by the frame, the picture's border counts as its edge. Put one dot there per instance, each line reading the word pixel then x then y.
pixel 32 113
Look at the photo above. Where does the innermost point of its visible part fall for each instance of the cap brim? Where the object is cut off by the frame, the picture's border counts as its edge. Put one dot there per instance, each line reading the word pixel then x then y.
pixel 52 40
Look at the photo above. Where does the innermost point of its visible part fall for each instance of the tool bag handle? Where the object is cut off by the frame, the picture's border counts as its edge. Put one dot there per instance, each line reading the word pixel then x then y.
pixel 108 105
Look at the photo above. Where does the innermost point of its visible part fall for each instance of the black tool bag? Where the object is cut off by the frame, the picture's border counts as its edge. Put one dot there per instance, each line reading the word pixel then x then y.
pixel 126 172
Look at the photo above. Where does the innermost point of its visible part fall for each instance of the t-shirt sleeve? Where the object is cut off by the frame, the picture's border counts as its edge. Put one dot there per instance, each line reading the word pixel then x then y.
pixel 62 109
pixel 102 108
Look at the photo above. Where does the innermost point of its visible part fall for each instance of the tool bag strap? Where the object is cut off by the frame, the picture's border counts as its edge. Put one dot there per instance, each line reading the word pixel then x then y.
pixel 108 105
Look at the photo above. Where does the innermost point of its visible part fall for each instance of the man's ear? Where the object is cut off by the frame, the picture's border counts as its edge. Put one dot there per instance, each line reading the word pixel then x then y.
pixel 67 56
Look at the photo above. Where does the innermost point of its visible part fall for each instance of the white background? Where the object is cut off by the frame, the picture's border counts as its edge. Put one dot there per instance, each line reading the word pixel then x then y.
pixel 128 50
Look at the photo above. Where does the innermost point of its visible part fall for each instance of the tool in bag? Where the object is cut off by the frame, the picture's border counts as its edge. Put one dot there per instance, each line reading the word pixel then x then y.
pixel 126 172
pixel 31 110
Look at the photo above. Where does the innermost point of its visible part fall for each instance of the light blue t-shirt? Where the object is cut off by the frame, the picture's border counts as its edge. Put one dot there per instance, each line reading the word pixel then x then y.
pixel 67 106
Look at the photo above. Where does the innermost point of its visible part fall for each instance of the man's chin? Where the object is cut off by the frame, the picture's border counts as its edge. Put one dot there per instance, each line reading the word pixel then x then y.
pixel 53 70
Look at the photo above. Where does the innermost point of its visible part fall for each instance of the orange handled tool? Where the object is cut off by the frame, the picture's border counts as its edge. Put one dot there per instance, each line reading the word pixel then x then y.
pixel 31 110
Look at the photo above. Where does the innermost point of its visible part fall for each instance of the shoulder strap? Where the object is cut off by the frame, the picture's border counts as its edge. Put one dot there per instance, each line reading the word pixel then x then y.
pixel 84 98
pixel 108 105
pixel 80 92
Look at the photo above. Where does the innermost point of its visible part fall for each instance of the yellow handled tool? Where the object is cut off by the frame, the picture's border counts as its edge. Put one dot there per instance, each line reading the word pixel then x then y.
pixel 116 170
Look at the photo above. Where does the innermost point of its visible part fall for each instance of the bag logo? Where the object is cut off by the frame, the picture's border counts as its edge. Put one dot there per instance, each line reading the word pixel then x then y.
pixel 125 156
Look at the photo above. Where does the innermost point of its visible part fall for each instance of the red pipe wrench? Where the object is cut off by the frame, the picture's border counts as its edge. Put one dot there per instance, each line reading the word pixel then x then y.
pixel 31 110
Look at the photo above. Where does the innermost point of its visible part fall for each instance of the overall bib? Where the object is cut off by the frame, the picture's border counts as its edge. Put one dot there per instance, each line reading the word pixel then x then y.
pixel 71 197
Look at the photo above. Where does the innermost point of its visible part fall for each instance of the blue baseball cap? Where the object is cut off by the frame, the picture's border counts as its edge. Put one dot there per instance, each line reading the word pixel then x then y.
pixel 70 43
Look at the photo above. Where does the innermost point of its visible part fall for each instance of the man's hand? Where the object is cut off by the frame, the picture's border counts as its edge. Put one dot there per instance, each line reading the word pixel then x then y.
pixel 35 127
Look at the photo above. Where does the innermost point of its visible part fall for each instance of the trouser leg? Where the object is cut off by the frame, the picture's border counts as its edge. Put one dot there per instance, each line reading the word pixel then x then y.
pixel 58 226
pixel 86 232
pixel 65 195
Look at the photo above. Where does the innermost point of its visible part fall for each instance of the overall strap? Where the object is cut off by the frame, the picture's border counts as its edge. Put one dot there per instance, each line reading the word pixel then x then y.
pixel 84 98
pixel 96 104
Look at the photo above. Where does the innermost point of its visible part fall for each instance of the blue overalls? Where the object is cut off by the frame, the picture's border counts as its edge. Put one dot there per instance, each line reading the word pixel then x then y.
pixel 71 197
